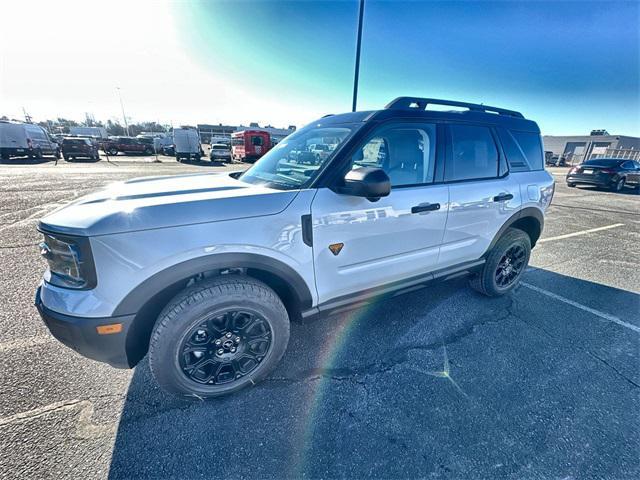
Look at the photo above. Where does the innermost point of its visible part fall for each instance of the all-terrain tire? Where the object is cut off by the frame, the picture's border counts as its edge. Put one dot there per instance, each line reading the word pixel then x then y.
pixel 485 281
pixel 203 300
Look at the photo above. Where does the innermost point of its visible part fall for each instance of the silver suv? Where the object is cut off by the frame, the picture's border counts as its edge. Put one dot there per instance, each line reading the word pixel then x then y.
pixel 205 272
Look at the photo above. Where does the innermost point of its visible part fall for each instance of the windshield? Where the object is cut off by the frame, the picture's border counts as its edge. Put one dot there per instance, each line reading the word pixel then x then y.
pixel 294 162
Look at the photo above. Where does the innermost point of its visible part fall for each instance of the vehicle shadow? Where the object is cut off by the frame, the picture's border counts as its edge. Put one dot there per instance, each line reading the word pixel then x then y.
pixel 627 190
pixel 439 382
pixel 27 161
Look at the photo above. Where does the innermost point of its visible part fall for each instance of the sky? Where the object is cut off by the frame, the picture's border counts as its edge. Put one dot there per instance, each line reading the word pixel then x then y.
pixel 570 66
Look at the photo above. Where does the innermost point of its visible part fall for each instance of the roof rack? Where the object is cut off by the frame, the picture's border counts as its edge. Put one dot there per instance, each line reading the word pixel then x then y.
pixel 417 103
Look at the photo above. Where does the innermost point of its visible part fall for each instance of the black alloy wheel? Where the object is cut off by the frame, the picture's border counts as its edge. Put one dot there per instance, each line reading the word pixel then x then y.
pixel 619 185
pixel 225 347
pixel 510 265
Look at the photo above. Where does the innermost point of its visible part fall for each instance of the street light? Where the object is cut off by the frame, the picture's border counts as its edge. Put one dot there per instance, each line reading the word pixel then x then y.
pixel 124 117
pixel 358 45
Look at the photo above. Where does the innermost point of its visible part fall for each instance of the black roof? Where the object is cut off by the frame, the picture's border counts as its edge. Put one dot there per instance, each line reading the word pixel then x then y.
pixel 416 108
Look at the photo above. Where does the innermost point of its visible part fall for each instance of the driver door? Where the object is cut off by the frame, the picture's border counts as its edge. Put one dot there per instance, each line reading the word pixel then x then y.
pixel 359 244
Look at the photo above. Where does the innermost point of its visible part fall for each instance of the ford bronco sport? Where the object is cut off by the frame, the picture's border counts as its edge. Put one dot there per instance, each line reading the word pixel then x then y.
pixel 205 272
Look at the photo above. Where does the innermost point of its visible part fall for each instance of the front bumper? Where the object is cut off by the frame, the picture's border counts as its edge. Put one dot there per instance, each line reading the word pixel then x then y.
pixel 80 334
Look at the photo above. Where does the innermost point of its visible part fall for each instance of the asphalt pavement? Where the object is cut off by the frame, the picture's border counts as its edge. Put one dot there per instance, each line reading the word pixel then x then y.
pixel 437 383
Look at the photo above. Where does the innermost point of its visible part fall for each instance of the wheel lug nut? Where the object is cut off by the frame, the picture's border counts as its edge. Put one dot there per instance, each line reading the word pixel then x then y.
pixel 228 335
pixel 237 339
pixel 220 352
pixel 233 349
pixel 218 342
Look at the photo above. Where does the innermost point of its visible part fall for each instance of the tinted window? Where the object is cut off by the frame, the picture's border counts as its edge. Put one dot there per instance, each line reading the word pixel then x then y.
pixel 474 154
pixel 604 162
pixel 531 148
pixel 256 141
pixel 237 141
pixel 405 152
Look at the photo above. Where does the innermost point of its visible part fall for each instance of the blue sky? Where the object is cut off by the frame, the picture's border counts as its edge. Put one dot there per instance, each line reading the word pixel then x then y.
pixel 572 66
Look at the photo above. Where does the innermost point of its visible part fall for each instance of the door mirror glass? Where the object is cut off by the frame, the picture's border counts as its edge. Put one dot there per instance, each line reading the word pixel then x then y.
pixel 371 183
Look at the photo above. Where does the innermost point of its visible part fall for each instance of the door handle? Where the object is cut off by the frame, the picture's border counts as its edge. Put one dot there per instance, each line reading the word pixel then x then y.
pixel 503 197
pixel 425 207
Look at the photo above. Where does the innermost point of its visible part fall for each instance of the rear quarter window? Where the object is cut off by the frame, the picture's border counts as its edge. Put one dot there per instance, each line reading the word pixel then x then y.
pixel 523 150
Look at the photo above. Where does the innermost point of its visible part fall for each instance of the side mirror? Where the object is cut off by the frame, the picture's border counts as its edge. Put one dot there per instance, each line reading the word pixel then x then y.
pixel 368 182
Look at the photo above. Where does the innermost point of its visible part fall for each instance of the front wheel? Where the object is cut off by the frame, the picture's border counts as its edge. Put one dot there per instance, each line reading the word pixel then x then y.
pixel 505 264
pixel 218 336
pixel 112 151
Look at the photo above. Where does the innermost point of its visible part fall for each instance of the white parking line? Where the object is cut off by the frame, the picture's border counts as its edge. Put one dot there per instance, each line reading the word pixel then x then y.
pixel 581 232
pixel 593 311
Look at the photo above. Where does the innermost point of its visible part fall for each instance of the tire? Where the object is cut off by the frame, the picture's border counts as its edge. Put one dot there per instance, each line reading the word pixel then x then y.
pixel 618 186
pixel 113 152
pixel 38 154
pixel 571 185
pixel 58 155
pixel 190 316
pixel 513 240
pixel 66 158
pixel 178 158
pixel 148 151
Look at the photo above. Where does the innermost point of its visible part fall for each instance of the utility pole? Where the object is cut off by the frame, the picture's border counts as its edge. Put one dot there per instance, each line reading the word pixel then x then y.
pixel 358 45
pixel 124 117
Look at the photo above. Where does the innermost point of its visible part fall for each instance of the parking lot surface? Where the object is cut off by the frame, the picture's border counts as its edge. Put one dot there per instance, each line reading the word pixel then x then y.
pixel 437 383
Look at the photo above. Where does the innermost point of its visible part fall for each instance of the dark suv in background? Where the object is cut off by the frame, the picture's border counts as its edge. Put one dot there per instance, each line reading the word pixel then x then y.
pixel 73 148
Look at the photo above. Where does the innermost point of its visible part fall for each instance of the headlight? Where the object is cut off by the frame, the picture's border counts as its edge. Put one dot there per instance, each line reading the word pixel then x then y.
pixel 70 261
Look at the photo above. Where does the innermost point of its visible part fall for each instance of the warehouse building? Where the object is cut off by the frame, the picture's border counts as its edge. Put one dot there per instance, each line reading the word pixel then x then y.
pixel 599 144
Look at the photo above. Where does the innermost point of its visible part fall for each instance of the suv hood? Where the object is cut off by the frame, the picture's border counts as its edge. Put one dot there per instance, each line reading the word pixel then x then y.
pixel 161 202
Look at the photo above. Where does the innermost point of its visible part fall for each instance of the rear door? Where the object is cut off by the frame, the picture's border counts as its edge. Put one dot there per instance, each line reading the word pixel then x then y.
pixel 482 194
pixel 359 244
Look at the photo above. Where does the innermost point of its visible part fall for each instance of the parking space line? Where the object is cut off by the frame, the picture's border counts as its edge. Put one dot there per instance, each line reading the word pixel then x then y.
pixel 593 311
pixel 581 232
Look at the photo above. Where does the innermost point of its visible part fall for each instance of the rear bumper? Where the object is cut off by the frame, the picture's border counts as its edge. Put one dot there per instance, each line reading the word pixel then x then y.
pixel 80 334
pixel 599 180
pixel 15 152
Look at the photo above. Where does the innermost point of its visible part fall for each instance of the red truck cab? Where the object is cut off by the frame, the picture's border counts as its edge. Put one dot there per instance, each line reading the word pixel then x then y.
pixel 249 145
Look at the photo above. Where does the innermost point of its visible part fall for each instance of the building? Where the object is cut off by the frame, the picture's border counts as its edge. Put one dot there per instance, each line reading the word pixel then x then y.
pixel 577 148
pixel 220 132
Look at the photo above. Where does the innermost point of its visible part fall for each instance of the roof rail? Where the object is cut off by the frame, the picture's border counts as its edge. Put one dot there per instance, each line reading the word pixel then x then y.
pixel 417 103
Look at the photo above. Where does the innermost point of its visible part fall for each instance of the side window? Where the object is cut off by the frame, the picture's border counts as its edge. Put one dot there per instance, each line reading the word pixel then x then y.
pixel 256 141
pixel 628 165
pixel 531 147
pixel 406 152
pixel 473 154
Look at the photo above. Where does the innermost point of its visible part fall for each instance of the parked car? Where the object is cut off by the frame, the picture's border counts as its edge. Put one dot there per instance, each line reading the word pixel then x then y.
pixel 206 271
pixel 75 147
pixel 152 142
pixel 169 150
pixel 114 145
pixel 220 152
pixel 612 173
pixel 186 143
pixel 249 145
pixel 19 139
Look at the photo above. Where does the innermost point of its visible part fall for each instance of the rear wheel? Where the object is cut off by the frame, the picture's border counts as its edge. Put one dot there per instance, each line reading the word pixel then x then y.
pixel 218 336
pixel 618 186
pixel 571 185
pixel 112 151
pixel 66 158
pixel 505 264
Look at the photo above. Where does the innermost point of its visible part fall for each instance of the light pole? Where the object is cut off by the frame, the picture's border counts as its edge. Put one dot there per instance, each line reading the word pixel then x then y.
pixel 124 117
pixel 358 45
